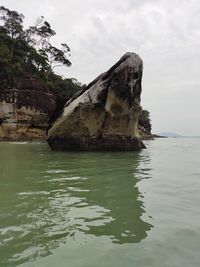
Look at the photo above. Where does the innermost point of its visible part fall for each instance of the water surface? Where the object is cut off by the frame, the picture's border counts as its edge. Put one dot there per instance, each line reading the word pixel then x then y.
pixel 100 209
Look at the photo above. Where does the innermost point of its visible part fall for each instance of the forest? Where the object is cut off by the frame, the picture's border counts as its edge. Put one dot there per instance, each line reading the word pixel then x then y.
pixel 30 53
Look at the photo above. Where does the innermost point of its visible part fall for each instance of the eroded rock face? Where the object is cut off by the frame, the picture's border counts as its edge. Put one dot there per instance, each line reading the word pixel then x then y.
pixel 104 116
pixel 25 113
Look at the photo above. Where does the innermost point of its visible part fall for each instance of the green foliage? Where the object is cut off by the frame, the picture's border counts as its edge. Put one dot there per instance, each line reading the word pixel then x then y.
pixel 145 115
pixel 57 84
pixel 12 22
pixel 29 51
pixel 145 122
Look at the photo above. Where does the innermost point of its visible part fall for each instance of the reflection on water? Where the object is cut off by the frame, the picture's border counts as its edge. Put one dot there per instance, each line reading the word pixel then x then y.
pixel 46 197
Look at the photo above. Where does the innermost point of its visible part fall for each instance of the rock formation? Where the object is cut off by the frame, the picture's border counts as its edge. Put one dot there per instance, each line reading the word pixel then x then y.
pixel 25 112
pixel 104 116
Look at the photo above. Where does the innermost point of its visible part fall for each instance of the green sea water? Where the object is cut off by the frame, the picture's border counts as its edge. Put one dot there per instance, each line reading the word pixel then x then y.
pixel 100 209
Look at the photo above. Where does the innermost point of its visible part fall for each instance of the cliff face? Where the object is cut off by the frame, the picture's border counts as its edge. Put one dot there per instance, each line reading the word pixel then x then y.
pixel 105 115
pixel 25 112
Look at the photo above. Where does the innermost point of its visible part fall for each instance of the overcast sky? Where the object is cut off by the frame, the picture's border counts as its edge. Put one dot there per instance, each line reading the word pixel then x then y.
pixel 165 33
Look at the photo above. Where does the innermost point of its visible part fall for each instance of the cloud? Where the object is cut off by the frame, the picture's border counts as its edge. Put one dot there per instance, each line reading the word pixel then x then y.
pixel 165 33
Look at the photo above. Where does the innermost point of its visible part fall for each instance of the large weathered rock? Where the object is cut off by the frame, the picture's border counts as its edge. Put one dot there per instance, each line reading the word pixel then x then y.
pixel 104 116
pixel 25 112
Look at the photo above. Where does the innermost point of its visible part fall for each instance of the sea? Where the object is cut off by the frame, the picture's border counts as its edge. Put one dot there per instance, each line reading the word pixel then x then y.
pixel 97 209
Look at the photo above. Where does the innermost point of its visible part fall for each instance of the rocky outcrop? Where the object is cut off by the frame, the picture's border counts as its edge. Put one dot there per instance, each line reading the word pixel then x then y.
pixel 25 112
pixel 104 116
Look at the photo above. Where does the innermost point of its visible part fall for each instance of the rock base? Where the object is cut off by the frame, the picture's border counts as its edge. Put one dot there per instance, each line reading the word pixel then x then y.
pixel 108 143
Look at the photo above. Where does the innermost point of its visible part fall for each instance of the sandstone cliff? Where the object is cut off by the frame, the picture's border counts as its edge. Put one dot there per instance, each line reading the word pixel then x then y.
pixel 104 116
pixel 25 112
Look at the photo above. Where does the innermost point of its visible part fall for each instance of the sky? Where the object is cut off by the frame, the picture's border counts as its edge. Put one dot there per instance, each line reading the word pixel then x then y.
pixel 165 33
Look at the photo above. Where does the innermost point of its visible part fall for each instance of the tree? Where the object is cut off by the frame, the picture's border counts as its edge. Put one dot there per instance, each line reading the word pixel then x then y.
pixel 31 47
pixel 145 115
pixel 39 37
pixel 12 22
pixel 145 122
pixel 12 27
pixel 29 53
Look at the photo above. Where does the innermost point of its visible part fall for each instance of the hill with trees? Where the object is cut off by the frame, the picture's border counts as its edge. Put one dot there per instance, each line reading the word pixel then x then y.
pixel 30 53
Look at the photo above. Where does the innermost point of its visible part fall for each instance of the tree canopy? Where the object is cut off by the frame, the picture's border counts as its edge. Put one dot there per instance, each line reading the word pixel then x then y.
pixel 145 115
pixel 145 122
pixel 30 52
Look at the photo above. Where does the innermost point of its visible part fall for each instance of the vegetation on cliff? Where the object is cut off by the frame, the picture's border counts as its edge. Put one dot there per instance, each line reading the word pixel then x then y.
pixel 29 53
pixel 145 122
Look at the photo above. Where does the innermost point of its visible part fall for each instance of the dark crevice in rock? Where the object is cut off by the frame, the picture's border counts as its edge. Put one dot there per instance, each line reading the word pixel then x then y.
pixel 76 95
pixel 111 70
pixel 35 126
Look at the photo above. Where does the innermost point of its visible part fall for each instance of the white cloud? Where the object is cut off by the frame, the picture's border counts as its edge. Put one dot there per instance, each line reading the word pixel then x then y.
pixel 165 33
